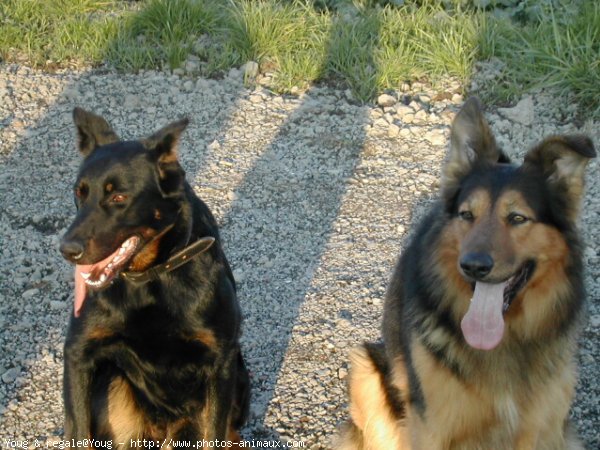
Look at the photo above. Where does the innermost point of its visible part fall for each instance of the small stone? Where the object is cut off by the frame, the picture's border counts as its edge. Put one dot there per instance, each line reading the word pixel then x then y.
pixel 386 100
pixel 408 118
pixel 393 130
pixel 235 73
pixel 595 321
pixel 435 138
pixel 30 293
pixel 11 375
pixel 71 94
pixel 457 99
pixel 381 122
pixel 202 84
pixel 250 70
pixel 421 116
pixel 192 66
pixel 214 145
pixel 56 305
pixel 255 98
pixel 238 275
pixel 131 101
pixel 522 112
pixel 342 373
pixel 403 110
pixel 415 106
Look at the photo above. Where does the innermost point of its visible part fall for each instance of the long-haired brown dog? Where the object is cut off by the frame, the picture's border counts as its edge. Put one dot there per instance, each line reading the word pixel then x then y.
pixel 482 314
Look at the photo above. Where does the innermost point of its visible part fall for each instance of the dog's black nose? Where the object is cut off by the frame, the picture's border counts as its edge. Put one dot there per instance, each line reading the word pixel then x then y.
pixel 71 250
pixel 476 265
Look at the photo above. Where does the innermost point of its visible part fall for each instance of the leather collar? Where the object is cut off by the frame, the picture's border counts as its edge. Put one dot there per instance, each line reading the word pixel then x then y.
pixel 175 261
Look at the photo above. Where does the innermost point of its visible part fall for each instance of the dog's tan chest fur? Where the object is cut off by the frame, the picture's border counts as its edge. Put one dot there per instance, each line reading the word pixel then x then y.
pixel 482 416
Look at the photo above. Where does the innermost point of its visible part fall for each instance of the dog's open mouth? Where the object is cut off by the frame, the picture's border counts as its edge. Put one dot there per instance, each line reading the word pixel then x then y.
pixel 101 274
pixel 483 324
pixel 516 283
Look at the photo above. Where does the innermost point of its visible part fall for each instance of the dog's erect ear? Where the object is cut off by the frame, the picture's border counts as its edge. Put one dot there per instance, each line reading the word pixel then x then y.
pixel 92 130
pixel 562 161
pixel 163 144
pixel 164 141
pixel 471 143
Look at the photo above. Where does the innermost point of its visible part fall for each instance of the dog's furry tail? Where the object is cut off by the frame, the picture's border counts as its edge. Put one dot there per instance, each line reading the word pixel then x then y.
pixel 376 406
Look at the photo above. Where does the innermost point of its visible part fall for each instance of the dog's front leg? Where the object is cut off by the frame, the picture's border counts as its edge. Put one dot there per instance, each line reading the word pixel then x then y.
pixel 76 395
pixel 219 401
pixel 218 407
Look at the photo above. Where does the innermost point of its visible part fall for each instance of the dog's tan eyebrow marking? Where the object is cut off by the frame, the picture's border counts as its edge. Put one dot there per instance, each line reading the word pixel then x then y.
pixel 109 187
pixel 477 202
pixel 513 201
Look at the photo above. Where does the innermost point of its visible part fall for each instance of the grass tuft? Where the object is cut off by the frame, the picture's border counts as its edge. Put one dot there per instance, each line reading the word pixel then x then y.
pixel 161 34
pixel 59 32
pixel 558 51
pixel 288 39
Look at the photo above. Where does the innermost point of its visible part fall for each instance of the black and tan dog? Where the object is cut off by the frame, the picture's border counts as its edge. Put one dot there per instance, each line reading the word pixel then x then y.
pixel 152 348
pixel 482 314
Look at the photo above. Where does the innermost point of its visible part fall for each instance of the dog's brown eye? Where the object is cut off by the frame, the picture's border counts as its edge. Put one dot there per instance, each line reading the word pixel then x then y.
pixel 118 198
pixel 516 219
pixel 466 215
pixel 81 191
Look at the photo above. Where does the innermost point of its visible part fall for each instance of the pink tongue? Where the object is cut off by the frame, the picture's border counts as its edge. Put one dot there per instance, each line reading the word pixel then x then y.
pixel 483 324
pixel 80 288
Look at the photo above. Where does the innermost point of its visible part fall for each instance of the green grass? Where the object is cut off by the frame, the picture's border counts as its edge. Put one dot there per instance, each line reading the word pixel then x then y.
pixel 58 32
pixel 558 51
pixel 356 44
pixel 288 39
pixel 161 34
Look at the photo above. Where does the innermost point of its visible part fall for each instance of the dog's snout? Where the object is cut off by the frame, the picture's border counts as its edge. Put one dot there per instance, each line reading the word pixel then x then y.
pixel 476 265
pixel 71 249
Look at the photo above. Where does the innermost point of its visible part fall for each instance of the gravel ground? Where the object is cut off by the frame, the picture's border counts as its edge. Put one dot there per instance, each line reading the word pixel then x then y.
pixel 315 197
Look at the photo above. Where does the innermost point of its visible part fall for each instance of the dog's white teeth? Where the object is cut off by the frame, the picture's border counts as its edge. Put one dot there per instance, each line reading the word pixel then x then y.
pixel 102 278
pixel 110 264
pixel 121 250
pixel 85 275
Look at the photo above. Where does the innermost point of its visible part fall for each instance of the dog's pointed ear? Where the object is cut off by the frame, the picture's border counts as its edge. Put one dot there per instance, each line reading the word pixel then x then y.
pixel 163 144
pixel 92 131
pixel 471 143
pixel 562 161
